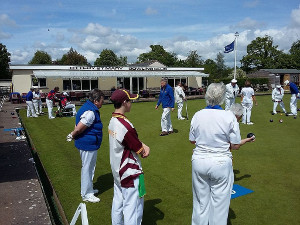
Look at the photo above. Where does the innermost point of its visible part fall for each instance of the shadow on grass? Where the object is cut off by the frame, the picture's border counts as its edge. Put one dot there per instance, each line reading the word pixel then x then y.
pixel 241 177
pixel 231 216
pixel 151 213
pixel 104 182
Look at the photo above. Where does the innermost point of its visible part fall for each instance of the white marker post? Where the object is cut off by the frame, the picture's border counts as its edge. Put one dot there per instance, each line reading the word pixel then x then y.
pixel 80 210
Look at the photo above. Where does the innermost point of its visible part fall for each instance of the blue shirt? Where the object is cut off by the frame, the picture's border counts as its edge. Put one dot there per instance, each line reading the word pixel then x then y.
pixel 166 97
pixel 91 138
pixel 294 88
pixel 29 96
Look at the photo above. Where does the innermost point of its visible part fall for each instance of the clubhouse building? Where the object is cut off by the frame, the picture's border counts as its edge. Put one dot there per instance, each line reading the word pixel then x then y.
pixel 135 77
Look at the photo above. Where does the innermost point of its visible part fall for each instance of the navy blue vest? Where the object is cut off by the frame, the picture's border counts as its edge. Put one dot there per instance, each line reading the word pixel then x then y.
pixel 91 138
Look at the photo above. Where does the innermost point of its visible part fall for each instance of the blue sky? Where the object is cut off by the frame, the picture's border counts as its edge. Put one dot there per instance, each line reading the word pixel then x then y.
pixel 130 27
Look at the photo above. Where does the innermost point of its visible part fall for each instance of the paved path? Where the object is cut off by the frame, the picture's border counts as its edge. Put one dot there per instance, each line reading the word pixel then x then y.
pixel 21 197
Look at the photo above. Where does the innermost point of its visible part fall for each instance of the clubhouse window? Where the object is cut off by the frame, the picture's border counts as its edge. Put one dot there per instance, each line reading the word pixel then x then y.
pixel 80 84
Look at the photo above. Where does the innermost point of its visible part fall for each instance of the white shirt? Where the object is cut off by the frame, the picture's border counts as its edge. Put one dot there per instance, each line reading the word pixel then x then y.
pixel 277 94
pixel 87 118
pixel 231 92
pixel 247 93
pixel 36 96
pixel 213 130
pixel 179 94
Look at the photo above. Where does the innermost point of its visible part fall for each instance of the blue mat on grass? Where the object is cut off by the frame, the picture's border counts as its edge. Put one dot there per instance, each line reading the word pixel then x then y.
pixel 238 190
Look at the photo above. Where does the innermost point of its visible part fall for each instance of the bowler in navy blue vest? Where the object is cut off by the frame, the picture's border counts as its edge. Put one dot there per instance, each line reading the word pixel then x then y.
pixel 88 138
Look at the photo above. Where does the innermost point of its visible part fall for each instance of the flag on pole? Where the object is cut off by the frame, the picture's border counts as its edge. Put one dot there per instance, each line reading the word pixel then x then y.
pixel 229 48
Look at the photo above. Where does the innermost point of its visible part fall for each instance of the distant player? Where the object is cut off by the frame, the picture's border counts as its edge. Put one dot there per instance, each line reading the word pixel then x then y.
pixel 232 90
pixel 179 98
pixel 295 93
pixel 125 146
pixel 247 99
pixel 277 96
pixel 66 104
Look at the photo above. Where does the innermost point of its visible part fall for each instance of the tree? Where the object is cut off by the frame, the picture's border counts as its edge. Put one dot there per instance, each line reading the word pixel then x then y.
pixel 108 58
pixel 4 63
pixel 160 54
pixel 41 57
pixel 295 53
pixel 210 67
pixel 261 53
pixel 194 60
pixel 73 58
pixel 239 74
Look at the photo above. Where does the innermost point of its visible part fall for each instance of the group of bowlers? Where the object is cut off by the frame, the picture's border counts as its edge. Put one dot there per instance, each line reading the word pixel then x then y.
pixel 212 172
pixel 248 98
pixel 35 107
pixel 125 148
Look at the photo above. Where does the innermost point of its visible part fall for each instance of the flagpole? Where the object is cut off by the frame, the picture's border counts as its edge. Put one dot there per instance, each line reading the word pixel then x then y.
pixel 235 46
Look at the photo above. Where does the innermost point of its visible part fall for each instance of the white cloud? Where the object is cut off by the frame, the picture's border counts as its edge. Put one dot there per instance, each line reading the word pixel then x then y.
pixel 251 4
pixel 295 17
pixel 4 35
pixel 6 21
pixel 150 11
pixel 249 23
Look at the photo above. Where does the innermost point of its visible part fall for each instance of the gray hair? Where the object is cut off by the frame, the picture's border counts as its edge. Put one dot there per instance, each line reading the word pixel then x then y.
pixel 215 94
pixel 237 109
pixel 95 94
pixel 164 79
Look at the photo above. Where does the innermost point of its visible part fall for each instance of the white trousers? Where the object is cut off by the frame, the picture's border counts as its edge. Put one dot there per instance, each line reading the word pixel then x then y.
pixel 293 104
pixel 247 112
pixel 38 106
pixel 179 113
pixel 30 109
pixel 127 206
pixel 88 159
pixel 166 124
pixel 281 105
pixel 229 102
pixel 73 107
pixel 50 107
pixel 212 185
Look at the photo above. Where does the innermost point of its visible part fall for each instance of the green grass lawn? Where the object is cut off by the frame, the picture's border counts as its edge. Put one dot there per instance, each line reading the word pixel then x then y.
pixel 270 166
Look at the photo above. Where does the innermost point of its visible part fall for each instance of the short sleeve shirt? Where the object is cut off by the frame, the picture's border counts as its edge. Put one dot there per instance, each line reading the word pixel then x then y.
pixel 213 130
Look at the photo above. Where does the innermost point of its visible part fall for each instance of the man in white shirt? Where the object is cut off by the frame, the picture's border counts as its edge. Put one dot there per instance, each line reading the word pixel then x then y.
pixel 277 96
pixel 232 90
pixel 179 98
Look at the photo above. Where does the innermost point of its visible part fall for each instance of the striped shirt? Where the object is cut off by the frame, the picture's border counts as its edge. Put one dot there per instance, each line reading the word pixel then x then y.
pixel 124 148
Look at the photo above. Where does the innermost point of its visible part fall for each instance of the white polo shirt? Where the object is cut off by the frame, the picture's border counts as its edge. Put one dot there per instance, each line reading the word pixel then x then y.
pixel 247 93
pixel 213 130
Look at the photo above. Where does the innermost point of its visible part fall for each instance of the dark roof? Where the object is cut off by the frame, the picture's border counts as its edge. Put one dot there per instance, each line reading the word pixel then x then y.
pixel 284 71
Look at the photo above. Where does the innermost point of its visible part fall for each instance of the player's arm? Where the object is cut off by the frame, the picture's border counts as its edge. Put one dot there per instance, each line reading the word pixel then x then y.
pixel 132 142
pixel 243 141
pixel 254 99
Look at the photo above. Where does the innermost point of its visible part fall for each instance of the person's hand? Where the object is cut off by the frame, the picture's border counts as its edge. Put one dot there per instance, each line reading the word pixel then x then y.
pixel 146 151
pixel 69 137
pixel 173 109
pixel 156 107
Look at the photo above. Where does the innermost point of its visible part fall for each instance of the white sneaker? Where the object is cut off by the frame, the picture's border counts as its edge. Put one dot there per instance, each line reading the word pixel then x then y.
pixel 52 118
pixel 250 123
pixel 91 198
pixel 182 118
pixel 96 191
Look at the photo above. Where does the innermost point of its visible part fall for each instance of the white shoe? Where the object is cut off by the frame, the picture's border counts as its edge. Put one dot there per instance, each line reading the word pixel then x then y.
pixel 250 123
pixel 35 116
pixel 52 118
pixel 96 191
pixel 181 118
pixel 91 198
